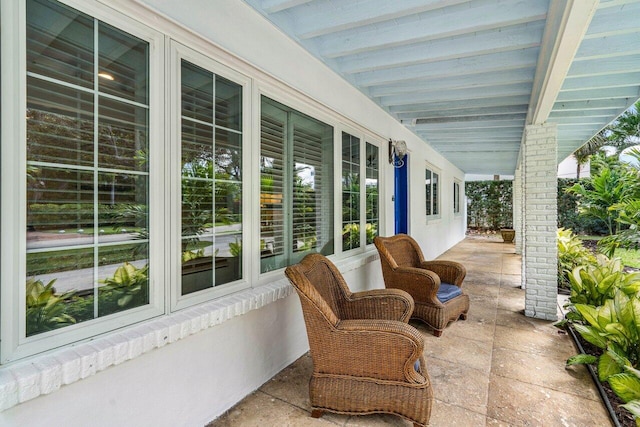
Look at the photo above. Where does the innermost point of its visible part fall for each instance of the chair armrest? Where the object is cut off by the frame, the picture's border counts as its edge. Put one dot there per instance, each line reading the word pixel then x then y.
pixel 380 349
pixel 422 284
pixel 383 304
pixel 449 271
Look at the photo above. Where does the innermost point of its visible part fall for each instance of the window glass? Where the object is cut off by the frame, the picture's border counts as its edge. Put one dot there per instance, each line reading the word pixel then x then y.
pixel 211 179
pixel 372 184
pixel 428 192
pixel 87 170
pixel 296 186
pixel 456 197
pixel 350 192
pixel 432 192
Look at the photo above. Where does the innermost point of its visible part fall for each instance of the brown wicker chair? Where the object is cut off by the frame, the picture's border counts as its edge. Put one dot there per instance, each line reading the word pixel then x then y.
pixel 364 353
pixel 404 267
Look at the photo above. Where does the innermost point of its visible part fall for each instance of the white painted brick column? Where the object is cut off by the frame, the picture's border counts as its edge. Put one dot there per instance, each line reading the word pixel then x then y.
pixel 517 208
pixel 540 221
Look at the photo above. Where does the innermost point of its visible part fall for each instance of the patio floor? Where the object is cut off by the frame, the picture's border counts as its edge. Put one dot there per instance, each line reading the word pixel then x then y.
pixel 497 368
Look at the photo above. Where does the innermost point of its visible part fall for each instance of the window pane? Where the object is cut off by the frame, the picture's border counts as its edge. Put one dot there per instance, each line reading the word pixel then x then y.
pixel 123 136
pixel 59 123
pixel 428 194
pixel 123 207
pixel 436 196
pixel 211 184
pixel 296 177
pixel 123 64
pixel 372 179
pixel 228 104
pixel 60 43
pixel 60 209
pixel 350 192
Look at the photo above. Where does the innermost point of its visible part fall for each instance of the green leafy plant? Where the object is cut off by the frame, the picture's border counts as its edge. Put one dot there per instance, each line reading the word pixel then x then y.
pixel 235 248
pixel 127 287
pixel 571 254
pixel 46 310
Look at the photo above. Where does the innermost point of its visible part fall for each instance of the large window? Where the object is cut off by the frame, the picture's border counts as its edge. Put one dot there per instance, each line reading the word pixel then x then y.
pixel 87 173
pixel 432 192
pixel 296 186
pixel 350 192
pixel 211 173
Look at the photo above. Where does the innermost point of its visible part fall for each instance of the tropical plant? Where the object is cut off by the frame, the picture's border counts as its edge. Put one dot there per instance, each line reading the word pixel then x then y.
pixel 127 287
pixel 594 284
pixel 235 248
pixel 46 310
pixel 571 254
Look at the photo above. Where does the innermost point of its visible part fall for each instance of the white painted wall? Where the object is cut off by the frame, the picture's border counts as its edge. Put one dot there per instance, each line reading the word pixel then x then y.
pixel 191 381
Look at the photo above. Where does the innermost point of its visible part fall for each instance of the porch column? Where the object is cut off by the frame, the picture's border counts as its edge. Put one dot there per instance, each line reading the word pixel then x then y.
pixel 540 221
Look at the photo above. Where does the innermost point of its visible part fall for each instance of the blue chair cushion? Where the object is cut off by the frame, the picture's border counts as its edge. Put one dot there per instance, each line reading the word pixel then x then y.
pixel 448 291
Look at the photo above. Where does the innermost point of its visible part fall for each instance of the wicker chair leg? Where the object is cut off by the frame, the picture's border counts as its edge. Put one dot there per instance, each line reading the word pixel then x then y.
pixel 463 316
pixel 316 413
pixel 437 333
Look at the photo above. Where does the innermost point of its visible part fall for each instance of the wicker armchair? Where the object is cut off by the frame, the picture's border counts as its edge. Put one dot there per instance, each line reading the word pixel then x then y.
pixel 366 358
pixel 436 286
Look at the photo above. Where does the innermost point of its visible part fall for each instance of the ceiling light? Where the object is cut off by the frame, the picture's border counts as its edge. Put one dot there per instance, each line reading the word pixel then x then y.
pixel 106 76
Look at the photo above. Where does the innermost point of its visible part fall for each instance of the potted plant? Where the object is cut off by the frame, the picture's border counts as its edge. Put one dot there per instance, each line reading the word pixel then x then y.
pixel 508 234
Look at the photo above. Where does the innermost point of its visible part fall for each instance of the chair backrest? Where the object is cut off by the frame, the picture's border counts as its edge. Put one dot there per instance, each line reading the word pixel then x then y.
pixel 400 250
pixel 320 286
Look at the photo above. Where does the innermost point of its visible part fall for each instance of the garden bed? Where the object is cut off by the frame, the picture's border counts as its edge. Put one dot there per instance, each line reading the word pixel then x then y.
pixel 619 416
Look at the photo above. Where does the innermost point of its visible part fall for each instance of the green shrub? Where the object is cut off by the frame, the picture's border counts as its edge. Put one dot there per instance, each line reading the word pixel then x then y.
pixel 571 254
pixel 45 310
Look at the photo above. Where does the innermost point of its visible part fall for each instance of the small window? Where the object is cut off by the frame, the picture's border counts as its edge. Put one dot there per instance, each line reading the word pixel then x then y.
pixel 372 185
pixel 350 192
pixel 456 197
pixel 432 193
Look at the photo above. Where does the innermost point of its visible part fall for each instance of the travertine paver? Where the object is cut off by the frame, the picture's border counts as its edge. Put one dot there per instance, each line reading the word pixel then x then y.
pixel 497 368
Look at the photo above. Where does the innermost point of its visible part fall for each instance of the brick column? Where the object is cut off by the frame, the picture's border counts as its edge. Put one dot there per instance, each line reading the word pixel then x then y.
pixel 517 208
pixel 540 221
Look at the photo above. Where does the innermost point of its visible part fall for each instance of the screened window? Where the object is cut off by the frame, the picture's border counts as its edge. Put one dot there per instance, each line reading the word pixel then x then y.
pixel 432 194
pixel 211 190
pixel 350 192
pixel 456 197
pixel 87 174
pixel 372 186
pixel 296 186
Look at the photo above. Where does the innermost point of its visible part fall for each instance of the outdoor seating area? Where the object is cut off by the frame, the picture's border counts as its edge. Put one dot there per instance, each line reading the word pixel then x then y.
pixel 497 368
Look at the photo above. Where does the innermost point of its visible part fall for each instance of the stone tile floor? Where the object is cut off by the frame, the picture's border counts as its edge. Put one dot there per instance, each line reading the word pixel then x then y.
pixel 497 368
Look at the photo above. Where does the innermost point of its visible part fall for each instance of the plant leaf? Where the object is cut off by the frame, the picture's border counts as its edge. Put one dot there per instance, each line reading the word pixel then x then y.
pixel 626 386
pixel 581 359
pixel 607 366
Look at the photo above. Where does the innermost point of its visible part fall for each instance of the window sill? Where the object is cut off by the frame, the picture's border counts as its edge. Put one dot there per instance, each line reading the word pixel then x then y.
pixel 44 374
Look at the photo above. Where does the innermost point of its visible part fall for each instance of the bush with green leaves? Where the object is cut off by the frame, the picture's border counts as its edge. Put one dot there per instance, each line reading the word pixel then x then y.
pixel 127 288
pixel 571 254
pixel 46 310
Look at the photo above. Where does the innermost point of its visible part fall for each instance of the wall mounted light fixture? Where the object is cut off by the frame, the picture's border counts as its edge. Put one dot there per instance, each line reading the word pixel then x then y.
pixel 397 151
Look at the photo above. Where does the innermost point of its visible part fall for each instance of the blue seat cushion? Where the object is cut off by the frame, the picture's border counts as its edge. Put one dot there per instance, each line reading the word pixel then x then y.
pixel 416 366
pixel 448 291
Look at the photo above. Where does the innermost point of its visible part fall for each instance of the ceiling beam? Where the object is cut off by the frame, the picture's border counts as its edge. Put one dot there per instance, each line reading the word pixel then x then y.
pixel 567 23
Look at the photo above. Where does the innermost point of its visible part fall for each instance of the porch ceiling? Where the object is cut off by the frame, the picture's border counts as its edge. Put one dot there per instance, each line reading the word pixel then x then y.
pixel 466 76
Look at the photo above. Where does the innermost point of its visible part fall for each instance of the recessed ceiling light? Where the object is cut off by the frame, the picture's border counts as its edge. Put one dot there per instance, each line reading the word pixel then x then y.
pixel 106 76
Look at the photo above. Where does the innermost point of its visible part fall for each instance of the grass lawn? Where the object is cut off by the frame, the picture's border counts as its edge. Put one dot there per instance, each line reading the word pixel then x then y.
pixel 630 257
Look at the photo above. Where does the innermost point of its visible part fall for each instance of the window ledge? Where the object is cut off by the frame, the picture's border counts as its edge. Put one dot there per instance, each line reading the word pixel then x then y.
pixel 45 374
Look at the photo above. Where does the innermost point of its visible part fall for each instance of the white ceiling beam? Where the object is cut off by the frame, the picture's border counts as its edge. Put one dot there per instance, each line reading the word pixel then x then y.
pixel 616 65
pixel 601 82
pixel 456 95
pixel 478 16
pixel 630 92
pixel 323 18
pixel 474 44
pixel 275 6
pixel 567 23
pixel 465 114
pixel 493 78
pixel 489 124
pixel 609 47
pixel 500 61
pixel 590 105
pixel 473 103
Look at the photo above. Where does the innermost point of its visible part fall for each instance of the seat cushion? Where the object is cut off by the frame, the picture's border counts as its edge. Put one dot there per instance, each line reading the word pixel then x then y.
pixel 448 291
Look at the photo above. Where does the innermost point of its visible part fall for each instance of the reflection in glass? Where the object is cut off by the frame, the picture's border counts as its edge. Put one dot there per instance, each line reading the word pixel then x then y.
pixel 122 207
pixel 350 192
pixel 59 123
pixel 123 138
pixel 197 93
pixel 60 43
pixel 371 183
pixel 228 104
pixel 123 64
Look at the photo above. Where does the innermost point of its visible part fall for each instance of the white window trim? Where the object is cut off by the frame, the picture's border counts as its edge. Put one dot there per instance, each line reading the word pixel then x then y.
pixel 460 191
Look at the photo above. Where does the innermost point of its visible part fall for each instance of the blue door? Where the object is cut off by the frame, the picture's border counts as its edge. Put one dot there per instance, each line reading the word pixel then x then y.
pixel 401 204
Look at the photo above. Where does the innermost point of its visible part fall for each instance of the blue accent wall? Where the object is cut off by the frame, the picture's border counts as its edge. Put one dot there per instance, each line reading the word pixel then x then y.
pixel 401 198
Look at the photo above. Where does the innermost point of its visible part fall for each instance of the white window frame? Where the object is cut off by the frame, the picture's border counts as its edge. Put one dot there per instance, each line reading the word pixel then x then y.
pixel 178 53
pixel 362 202
pixel 13 247
pixel 382 161
pixel 457 198
pixel 438 197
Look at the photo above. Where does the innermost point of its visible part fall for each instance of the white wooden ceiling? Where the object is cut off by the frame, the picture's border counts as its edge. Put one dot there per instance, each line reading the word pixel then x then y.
pixel 468 75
